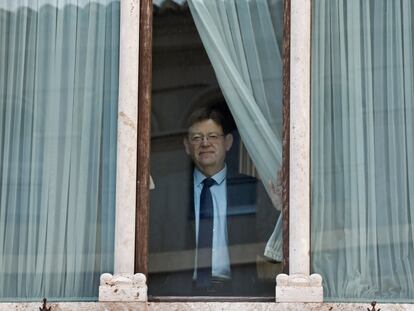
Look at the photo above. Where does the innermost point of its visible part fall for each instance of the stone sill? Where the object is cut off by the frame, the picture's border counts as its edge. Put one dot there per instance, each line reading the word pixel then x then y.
pixel 201 306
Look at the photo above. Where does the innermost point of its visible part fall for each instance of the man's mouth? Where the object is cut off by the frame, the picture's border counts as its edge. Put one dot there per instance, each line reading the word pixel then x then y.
pixel 201 153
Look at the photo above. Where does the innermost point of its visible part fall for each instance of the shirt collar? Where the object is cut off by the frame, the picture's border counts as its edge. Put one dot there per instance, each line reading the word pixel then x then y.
pixel 218 177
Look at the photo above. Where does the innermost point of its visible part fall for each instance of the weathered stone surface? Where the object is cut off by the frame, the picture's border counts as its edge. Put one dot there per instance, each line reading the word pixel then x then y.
pixel 299 288
pixel 123 287
pixel 126 175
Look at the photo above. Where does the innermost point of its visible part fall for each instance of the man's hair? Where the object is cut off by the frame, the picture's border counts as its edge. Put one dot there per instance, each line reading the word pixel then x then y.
pixel 215 113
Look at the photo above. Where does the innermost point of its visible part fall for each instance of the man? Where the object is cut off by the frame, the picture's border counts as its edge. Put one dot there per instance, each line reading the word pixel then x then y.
pixel 206 225
pixel 207 143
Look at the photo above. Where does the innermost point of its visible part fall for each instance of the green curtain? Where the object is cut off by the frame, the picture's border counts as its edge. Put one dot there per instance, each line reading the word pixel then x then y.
pixel 240 40
pixel 363 149
pixel 243 40
pixel 58 108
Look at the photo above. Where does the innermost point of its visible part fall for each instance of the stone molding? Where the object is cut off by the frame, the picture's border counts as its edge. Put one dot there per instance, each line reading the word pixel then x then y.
pixel 299 288
pixel 123 287
pixel 203 306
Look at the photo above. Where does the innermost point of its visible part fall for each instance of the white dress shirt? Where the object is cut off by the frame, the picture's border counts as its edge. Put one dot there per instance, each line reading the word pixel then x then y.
pixel 220 253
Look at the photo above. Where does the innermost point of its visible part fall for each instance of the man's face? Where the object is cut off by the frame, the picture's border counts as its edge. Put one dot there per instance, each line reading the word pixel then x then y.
pixel 207 146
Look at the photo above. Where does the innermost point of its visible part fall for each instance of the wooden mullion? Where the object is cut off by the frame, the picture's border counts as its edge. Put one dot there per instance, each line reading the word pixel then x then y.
pixel 143 137
pixel 286 133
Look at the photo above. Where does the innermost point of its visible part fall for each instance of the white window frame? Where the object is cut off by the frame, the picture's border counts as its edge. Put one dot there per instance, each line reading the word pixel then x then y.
pixel 127 137
pixel 299 285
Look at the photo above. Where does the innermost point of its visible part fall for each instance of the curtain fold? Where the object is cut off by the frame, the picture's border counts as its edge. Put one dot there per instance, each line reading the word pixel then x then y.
pixel 362 149
pixel 58 108
pixel 243 42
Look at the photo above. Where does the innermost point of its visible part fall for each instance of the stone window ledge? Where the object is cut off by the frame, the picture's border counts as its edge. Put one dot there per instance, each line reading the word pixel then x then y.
pixel 201 306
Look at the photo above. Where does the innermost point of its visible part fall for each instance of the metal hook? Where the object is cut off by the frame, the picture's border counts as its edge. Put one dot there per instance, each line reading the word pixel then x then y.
pixel 44 308
pixel 373 304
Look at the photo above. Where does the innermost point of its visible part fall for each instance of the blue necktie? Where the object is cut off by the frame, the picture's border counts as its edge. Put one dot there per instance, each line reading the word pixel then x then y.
pixel 205 234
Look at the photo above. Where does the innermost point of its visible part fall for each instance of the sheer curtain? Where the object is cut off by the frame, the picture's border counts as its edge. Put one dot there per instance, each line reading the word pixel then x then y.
pixel 243 42
pixel 363 149
pixel 58 108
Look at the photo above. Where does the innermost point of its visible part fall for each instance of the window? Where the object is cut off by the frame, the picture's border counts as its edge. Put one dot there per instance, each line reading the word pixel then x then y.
pixel 58 108
pixel 362 149
pixel 179 57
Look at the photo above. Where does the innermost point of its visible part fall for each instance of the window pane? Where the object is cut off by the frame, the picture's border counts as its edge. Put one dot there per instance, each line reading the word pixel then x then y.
pixel 58 108
pixel 362 149
pixel 185 148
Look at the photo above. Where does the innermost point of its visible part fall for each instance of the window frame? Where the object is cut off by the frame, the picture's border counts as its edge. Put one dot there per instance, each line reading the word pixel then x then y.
pixel 143 137
pixel 144 147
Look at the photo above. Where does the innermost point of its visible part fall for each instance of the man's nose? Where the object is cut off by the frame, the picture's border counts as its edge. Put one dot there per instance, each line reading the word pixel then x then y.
pixel 205 141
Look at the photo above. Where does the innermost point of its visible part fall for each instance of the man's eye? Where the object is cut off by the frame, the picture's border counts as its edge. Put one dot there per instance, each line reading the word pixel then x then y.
pixel 213 136
pixel 196 138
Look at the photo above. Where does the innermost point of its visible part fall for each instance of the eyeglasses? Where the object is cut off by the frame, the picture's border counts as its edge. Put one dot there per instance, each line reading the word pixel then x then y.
pixel 197 139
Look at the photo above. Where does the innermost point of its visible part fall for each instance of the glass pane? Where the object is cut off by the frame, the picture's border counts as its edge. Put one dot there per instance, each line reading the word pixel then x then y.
pixel 58 109
pixel 211 240
pixel 362 149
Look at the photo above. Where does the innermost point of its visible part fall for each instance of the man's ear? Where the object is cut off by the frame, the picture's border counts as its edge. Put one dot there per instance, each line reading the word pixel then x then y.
pixel 186 145
pixel 228 141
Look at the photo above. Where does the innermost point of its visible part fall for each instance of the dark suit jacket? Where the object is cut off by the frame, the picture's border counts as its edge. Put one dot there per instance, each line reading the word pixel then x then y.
pixel 241 227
